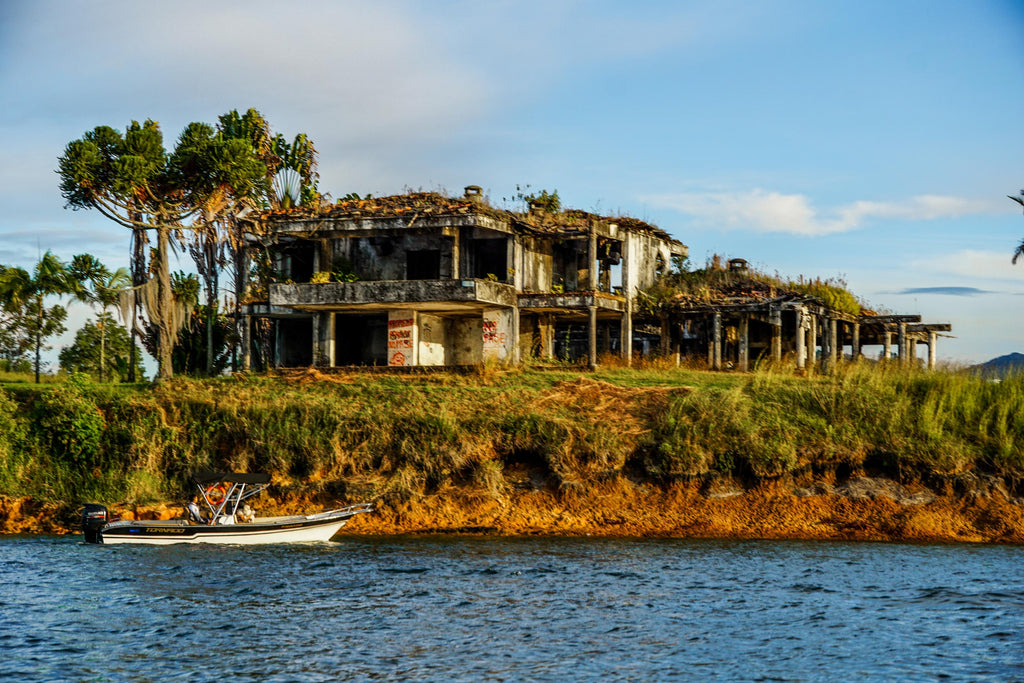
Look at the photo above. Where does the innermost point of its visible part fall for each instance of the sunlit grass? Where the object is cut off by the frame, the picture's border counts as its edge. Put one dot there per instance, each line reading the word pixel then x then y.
pixel 407 435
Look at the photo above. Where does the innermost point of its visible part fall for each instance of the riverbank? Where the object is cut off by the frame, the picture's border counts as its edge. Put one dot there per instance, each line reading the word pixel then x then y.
pixel 861 508
pixel 865 453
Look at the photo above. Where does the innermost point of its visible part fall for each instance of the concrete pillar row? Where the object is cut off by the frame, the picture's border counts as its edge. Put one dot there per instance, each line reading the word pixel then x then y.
pixel 717 341
pixel 801 339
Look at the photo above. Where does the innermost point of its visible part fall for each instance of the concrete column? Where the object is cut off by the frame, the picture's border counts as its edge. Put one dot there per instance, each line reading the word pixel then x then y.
pixel 912 351
pixel 316 340
pixel 246 343
pixel 593 337
pixel 812 340
pixel 901 343
pixel 855 342
pixel 775 318
pixel 833 341
pixel 277 344
pixel 517 353
pixel 592 260
pixel 627 291
pixel 801 340
pixel 886 345
pixel 626 336
pixel 744 334
pixel 826 344
pixel 716 341
pixel 329 339
pixel 549 336
pixel 456 255
pixel 933 338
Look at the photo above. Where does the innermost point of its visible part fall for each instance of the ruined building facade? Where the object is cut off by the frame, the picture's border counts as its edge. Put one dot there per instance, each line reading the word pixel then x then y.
pixel 421 279
pixel 426 280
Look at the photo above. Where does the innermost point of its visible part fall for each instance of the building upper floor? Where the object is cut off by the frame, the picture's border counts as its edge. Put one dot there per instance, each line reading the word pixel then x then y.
pixel 426 236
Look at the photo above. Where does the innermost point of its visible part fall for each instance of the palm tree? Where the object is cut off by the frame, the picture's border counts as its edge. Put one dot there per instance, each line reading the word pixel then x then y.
pixel 99 286
pixel 18 289
pixel 1019 252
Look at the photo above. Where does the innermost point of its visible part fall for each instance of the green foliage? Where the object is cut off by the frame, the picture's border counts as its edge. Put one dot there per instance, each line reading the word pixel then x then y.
pixel 23 301
pixel 84 353
pixel 13 431
pixel 682 286
pixel 404 437
pixel 548 202
pixel 833 293
pixel 342 270
pixel 68 425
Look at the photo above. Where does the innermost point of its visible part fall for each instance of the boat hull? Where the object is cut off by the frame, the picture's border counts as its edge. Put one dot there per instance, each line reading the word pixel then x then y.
pixel 301 529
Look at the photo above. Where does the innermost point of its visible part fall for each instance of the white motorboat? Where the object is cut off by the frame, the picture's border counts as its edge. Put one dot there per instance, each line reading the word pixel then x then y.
pixel 229 519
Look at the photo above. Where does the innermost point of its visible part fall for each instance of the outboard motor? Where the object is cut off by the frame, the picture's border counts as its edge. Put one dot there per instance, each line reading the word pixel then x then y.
pixel 94 517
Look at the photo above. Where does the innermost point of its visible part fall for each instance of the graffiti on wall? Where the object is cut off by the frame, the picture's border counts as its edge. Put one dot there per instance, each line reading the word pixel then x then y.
pixel 401 340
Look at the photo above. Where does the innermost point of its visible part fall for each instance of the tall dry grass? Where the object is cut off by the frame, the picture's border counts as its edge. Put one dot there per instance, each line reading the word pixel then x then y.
pixel 398 437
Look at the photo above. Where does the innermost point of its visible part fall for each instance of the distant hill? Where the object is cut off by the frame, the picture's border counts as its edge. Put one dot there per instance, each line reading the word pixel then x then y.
pixel 1002 366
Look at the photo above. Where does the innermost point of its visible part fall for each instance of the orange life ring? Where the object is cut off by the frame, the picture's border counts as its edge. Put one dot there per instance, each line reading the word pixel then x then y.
pixel 215 493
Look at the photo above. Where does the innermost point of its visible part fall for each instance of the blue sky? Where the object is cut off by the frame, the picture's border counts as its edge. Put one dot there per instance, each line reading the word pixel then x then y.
pixel 874 141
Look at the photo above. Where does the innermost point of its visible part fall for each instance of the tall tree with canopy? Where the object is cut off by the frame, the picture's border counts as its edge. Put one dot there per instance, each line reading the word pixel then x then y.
pixel 290 181
pixel 27 293
pixel 101 287
pixel 133 181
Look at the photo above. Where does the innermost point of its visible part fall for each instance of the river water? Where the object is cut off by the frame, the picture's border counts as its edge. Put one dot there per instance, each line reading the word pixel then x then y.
pixel 510 609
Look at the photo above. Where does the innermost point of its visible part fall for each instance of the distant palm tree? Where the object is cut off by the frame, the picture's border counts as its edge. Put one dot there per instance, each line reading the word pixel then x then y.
pixel 19 289
pixel 99 286
pixel 1019 252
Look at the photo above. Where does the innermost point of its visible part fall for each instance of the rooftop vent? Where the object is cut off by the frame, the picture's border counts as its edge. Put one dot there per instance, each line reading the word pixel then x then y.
pixel 738 265
pixel 474 193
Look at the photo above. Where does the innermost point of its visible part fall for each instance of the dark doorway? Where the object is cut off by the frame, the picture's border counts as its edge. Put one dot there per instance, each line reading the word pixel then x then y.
pixel 361 339
pixel 295 342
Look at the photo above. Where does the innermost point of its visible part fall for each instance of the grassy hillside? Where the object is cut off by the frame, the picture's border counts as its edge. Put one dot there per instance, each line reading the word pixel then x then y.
pixel 398 437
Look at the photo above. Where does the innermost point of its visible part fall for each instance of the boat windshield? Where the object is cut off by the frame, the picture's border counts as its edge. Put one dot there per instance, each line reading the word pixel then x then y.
pixel 224 492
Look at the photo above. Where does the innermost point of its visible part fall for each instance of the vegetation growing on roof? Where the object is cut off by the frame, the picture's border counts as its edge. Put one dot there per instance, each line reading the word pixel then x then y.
pixel 716 282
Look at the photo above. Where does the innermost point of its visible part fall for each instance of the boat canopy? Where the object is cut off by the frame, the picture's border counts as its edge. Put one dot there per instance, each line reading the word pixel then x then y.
pixel 210 477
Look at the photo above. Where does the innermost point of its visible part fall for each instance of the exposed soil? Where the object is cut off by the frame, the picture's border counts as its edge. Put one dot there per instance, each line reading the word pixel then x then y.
pixel 860 508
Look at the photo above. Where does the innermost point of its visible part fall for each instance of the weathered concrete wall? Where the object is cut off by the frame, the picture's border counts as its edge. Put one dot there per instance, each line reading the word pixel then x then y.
pixel 498 334
pixel 432 339
pixel 536 269
pixel 643 256
pixel 386 257
pixel 402 342
pixel 330 294
pixel 466 341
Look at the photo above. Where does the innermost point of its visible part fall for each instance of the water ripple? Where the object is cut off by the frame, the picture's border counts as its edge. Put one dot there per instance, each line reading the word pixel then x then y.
pixel 471 609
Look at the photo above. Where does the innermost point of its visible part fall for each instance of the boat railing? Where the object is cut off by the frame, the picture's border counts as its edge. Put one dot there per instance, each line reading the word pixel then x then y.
pixel 225 493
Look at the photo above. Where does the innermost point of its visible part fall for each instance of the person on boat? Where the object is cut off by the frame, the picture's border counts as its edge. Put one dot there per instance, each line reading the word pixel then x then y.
pixel 194 513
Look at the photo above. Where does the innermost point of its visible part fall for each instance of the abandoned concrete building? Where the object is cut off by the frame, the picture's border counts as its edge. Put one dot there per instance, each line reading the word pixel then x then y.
pixel 426 280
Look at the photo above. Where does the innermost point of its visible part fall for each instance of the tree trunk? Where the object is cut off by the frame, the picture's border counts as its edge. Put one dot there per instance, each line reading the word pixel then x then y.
pixel 211 313
pixel 138 266
pixel 103 343
pixel 39 332
pixel 165 302
pixel 241 342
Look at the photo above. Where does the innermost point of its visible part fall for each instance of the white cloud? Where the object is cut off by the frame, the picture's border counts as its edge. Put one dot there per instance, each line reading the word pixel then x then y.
pixel 764 211
pixel 991 265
